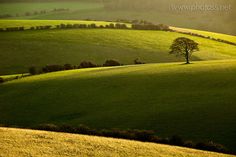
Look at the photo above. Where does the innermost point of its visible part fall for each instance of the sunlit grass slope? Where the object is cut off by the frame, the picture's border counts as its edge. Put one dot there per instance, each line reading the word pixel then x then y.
pixel 195 101
pixel 21 143
pixel 44 47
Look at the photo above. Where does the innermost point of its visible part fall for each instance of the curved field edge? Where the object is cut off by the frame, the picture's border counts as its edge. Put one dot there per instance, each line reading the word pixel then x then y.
pixel 22 142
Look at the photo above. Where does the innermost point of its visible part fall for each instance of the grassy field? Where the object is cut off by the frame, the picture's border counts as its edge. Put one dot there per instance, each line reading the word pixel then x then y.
pixel 210 21
pixel 21 143
pixel 195 101
pixel 40 48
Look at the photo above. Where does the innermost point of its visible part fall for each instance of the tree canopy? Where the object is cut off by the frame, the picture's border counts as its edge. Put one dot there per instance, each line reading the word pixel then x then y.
pixel 184 47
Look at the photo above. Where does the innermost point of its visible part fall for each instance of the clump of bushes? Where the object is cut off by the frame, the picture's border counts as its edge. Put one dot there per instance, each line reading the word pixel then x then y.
pixel 111 63
pixel 121 26
pixel 60 9
pixel 139 135
pixel 70 26
pixel 15 29
pixel 68 67
pixel 33 70
pixel 43 27
pixel 151 27
pixel 87 64
pixel 52 68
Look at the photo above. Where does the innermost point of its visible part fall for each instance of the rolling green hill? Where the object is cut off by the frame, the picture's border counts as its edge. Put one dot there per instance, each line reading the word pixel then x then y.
pixel 21 143
pixel 42 47
pixel 194 101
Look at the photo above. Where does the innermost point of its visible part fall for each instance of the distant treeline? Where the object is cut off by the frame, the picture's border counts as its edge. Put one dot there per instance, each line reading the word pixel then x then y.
pixel 138 26
pixel 134 134
pixel 65 26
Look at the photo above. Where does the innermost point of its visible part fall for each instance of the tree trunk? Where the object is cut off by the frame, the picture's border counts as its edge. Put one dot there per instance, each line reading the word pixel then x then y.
pixel 187 57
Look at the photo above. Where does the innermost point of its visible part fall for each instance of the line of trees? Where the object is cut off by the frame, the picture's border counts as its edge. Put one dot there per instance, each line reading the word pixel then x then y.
pixel 84 64
pixel 56 67
pixel 134 134
pixel 93 25
pixel 151 27
pixel 67 26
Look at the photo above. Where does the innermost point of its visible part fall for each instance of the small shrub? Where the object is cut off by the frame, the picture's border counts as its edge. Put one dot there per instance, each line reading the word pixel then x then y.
pixel 52 68
pixel 48 127
pixel 83 26
pixel 68 67
pixel 176 140
pixel 76 26
pixel 93 25
pixel 111 63
pixel 63 26
pixel 32 70
pixel 87 64
pixel 111 25
pixel 69 26
pixel 21 28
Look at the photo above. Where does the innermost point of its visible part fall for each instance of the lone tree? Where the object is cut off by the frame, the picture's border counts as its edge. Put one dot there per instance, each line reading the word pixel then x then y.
pixel 184 47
